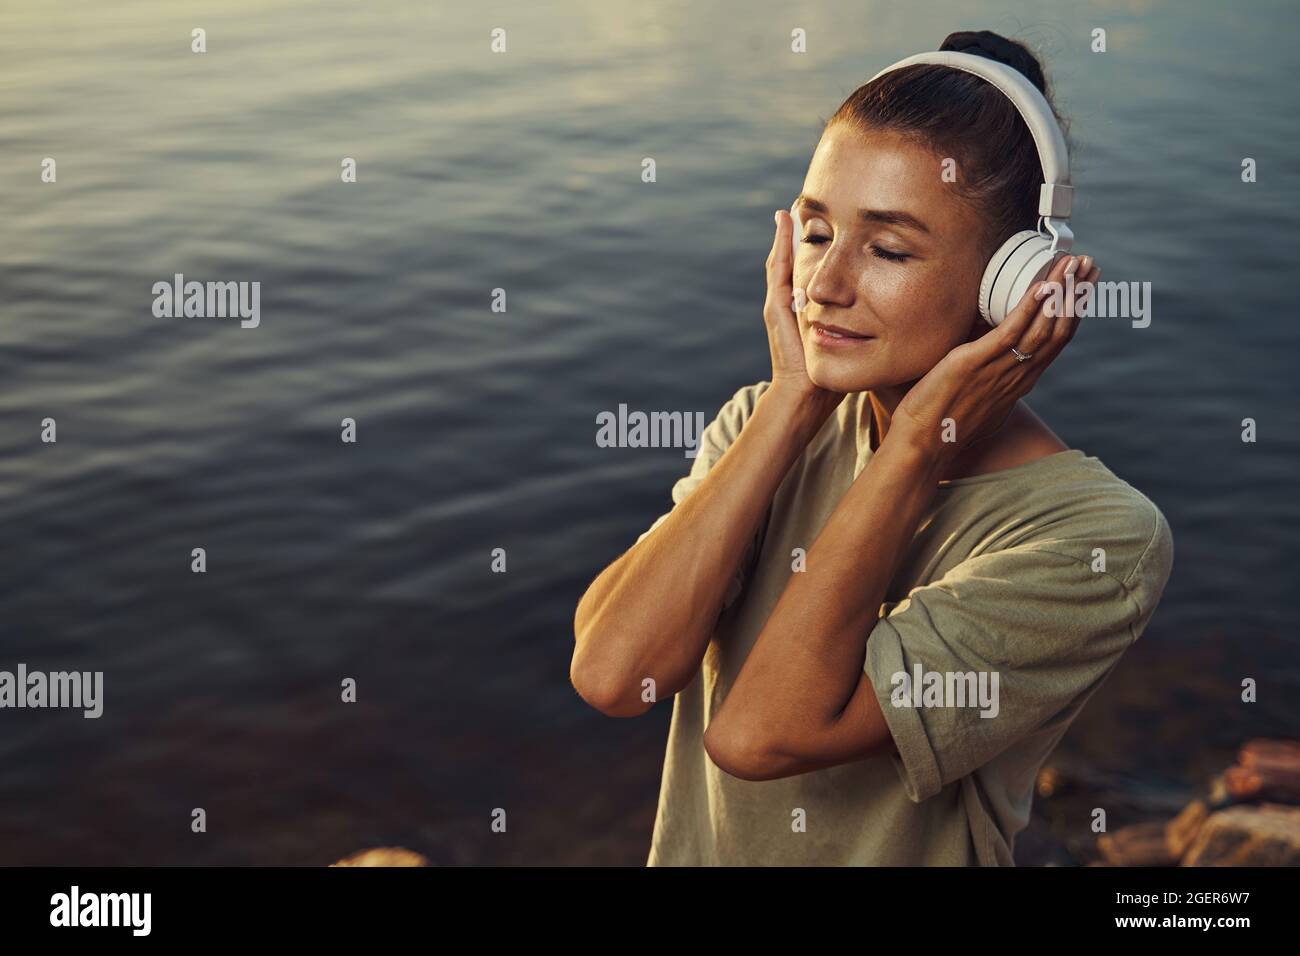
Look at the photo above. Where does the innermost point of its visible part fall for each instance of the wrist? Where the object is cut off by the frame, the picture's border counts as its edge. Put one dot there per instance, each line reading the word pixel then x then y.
pixel 804 408
pixel 919 454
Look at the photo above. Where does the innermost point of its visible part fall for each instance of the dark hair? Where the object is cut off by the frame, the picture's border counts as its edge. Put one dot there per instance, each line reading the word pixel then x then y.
pixel 962 116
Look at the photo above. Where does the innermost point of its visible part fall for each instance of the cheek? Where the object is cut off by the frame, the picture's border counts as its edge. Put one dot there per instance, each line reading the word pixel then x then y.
pixel 921 308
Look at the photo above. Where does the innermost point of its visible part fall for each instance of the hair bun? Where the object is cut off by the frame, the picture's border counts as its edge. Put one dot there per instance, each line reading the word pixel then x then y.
pixel 991 46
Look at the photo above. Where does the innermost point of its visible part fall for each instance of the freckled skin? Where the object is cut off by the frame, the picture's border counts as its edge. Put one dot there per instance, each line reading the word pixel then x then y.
pixel 918 309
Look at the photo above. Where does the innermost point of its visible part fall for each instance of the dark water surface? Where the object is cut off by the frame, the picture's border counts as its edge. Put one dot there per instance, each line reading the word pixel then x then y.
pixel 476 429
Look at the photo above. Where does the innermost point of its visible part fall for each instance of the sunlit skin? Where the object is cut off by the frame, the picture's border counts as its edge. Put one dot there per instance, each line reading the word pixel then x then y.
pixel 910 281
pixel 802 700
pixel 909 285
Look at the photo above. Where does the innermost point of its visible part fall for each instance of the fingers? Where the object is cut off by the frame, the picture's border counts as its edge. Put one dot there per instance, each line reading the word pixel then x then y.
pixel 1065 316
pixel 1085 277
pixel 1089 272
pixel 1057 308
pixel 782 324
pixel 1044 320
pixel 779 261
pixel 1026 323
pixel 1051 306
pixel 1058 318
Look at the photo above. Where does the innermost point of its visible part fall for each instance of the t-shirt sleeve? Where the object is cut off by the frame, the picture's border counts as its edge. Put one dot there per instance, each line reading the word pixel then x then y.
pixel 715 439
pixel 1037 619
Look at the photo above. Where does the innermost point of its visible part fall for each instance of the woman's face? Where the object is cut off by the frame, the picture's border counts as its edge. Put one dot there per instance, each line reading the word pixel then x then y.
pixel 887 251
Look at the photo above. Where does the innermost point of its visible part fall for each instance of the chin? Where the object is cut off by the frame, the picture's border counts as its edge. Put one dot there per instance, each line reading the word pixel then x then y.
pixel 843 374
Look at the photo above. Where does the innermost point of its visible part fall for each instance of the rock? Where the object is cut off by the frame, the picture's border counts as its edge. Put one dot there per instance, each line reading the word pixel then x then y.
pixel 1142 844
pixel 1266 770
pixel 1276 753
pixel 384 856
pixel 1267 835
pixel 1182 829
pixel 1245 783
pixel 1050 781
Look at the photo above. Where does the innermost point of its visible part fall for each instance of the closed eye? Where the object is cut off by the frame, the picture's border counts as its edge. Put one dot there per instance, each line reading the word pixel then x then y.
pixel 877 251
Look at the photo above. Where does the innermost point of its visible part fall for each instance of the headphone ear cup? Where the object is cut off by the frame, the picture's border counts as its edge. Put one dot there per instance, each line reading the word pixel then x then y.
pixel 1020 262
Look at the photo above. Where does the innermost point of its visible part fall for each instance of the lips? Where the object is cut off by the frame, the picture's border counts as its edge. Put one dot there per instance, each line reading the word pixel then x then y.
pixel 836 331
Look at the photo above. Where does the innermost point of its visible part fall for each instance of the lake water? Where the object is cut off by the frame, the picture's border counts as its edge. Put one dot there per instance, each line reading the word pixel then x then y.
pixel 476 429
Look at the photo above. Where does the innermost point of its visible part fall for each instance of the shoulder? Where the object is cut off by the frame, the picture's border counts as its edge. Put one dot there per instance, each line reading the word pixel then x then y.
pixel 715 438
pixel 741 405
pixel 1087 511
pixel 1150 572
pixel 733 414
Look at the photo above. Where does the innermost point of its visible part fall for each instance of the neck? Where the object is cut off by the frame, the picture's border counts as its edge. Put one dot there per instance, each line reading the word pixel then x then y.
pixel 883 403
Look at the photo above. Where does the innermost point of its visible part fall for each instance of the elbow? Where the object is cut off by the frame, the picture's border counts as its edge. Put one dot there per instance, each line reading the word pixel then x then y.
pixel 742 752
pixel 612 695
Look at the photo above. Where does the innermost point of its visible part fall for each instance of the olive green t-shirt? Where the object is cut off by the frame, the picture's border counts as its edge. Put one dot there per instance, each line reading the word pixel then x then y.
pixel 1041 574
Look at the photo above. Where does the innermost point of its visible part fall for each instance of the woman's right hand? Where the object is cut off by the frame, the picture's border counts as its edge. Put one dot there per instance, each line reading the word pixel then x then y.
pixel 789 371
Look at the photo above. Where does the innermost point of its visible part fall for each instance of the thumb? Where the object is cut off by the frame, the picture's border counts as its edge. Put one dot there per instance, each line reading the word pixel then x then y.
pixel 780 264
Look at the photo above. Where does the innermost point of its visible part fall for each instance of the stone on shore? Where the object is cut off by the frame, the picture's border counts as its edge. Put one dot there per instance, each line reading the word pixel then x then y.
pixel 1266 835
pixel 384 856
pixel 1265 770
pixel 1242 821
pixel 1182 829
pixel 1142 844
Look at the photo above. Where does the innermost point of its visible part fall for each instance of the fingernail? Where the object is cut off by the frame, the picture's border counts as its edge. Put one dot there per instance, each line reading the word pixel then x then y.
pixel 1043 290
pixel 776 217
pixel 1087 263
pixel 1072 265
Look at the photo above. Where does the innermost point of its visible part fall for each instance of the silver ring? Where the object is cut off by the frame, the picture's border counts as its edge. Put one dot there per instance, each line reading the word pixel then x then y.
pixel 1021 356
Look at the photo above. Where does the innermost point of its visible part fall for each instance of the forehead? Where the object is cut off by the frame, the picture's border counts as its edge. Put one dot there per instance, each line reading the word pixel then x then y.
pixel 853 169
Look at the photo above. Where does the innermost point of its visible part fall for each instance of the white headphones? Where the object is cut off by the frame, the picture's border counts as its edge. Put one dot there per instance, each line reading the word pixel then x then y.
pixel 1028 255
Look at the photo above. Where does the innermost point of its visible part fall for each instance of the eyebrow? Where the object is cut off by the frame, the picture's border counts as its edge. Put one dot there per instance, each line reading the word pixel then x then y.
pixel 888 217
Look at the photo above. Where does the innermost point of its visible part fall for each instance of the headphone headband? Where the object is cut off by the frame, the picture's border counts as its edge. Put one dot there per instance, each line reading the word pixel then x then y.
pixel 1056 196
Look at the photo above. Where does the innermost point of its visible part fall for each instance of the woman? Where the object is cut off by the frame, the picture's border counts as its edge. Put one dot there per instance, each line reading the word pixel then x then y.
pixel 886 587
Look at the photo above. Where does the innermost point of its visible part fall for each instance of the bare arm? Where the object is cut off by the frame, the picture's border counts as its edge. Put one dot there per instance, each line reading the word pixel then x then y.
pixel 651 613
pixel 802 700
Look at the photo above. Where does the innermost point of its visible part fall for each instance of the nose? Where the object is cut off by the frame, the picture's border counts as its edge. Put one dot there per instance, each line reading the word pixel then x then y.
pixel 832 281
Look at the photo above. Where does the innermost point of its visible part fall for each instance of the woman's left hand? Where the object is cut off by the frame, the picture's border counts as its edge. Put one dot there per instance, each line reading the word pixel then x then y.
pixel 977 384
